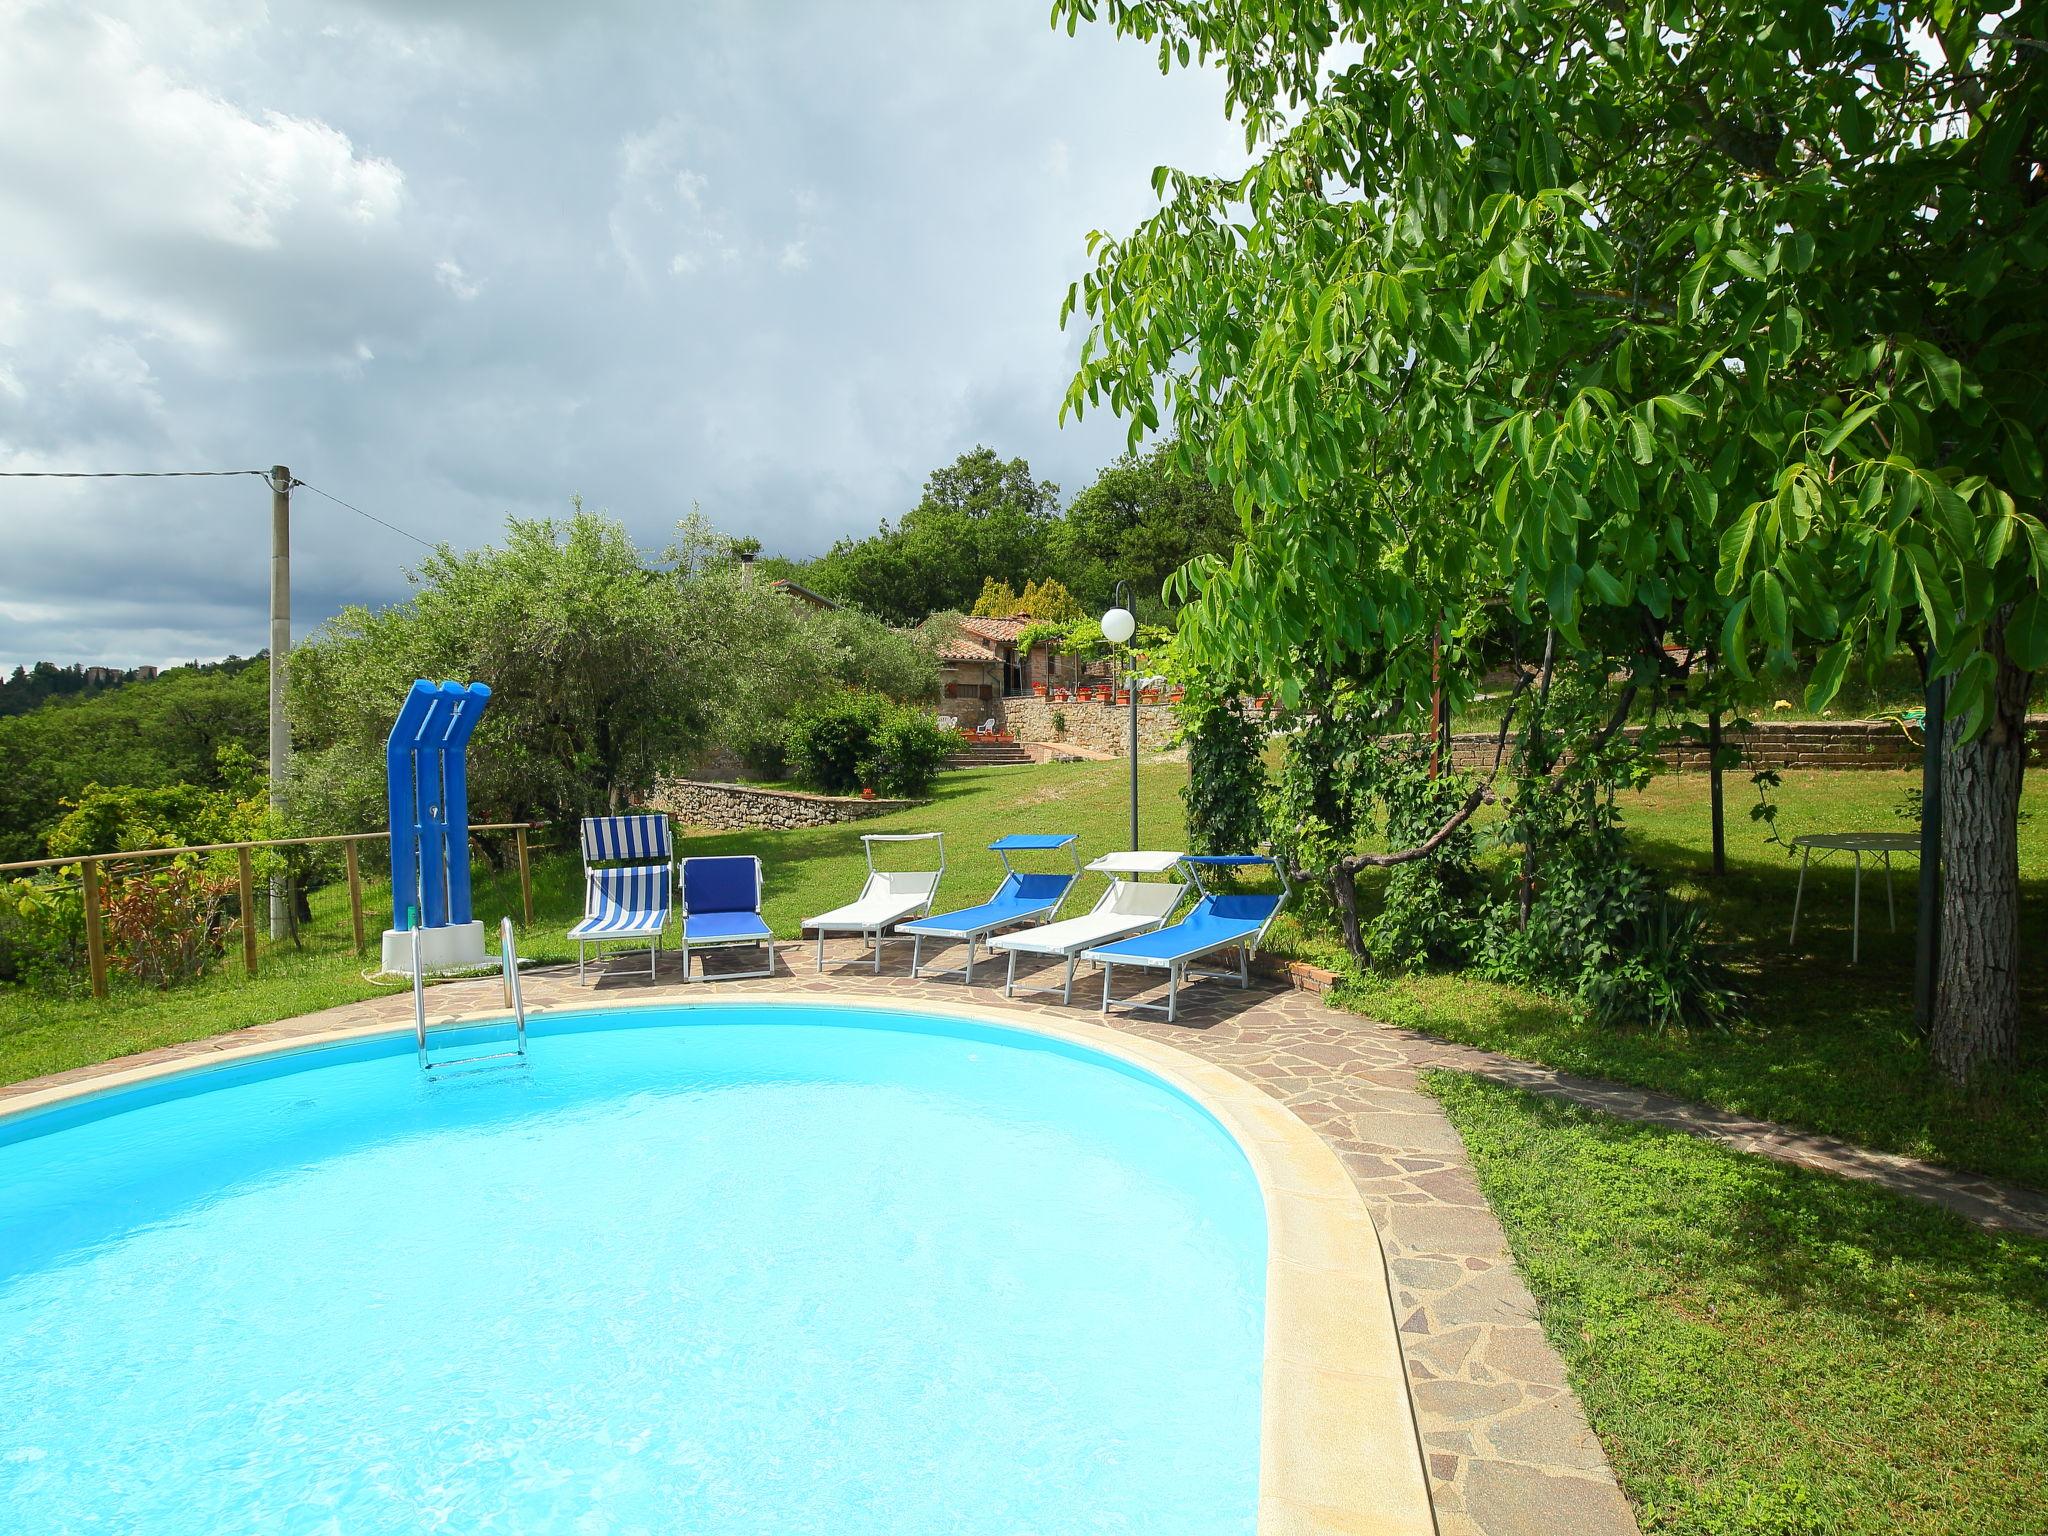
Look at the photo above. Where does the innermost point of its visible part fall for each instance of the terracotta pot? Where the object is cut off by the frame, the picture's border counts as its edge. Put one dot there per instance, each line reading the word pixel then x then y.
pixel 1039 689
pixel 867 792
pixel 1123 696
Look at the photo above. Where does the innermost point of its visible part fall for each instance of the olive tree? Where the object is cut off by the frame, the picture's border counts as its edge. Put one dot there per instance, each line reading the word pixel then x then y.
pixel 1713 320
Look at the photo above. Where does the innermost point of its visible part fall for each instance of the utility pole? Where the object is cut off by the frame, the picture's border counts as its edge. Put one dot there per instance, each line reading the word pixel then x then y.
pixel 280 649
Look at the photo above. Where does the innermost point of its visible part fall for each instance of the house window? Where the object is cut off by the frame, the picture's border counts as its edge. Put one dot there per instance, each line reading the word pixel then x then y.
pixel 1013 672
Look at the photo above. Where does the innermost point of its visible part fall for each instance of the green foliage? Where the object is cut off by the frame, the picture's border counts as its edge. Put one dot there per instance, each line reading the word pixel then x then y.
pixel 144 734
pixel 1714 316
pixel 781 657
pixel 1428 908
pixel 124 817
pixel 1226 784
pixel 1762 1350
pixel 1143 518
pixel 1668 976
pixel 605 670
pixel 602 673
pixel 42 935
pixel 856 741
pixel 984 527
pixel 979 518
pixel 31 687
pixel 166 924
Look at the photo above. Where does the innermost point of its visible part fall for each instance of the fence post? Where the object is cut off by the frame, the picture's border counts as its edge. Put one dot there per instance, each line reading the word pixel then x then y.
pixel 95 939
pixel 525 877
pixel 355 890
pixel 248 884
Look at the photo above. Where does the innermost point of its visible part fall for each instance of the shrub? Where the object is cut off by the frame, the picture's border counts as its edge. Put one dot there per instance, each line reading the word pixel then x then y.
pixel 1668 977
pixel 907 753
pixel 165 926
pixel 858 741
pixel 1226 775
pixel 42 933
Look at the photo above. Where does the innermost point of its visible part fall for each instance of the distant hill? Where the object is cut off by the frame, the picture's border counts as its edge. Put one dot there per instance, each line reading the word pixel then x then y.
pixel 165 730
pixel 32 687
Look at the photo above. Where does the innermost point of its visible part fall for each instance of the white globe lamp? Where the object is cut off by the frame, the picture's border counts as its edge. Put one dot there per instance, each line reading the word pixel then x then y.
pixel 1118 625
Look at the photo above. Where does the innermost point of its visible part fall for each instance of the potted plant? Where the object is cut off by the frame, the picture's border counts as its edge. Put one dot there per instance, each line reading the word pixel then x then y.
pixel 1039 689
pixel 867 791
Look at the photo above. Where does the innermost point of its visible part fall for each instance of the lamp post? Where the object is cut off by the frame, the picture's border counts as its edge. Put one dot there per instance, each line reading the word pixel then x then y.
pixel 1118 626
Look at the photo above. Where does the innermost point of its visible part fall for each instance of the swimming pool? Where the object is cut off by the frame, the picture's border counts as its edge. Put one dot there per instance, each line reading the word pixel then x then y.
pixel 725 1268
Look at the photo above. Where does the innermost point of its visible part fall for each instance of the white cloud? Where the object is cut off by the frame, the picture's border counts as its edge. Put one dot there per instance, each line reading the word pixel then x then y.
pixel 454 258
pixel 450 275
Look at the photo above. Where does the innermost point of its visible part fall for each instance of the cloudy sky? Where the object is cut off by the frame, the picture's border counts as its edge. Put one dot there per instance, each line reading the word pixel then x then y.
pixel 450 259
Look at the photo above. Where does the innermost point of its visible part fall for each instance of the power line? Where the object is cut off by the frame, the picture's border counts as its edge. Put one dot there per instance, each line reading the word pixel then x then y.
pixel 359 512
pixel 198 474
pixel 126 474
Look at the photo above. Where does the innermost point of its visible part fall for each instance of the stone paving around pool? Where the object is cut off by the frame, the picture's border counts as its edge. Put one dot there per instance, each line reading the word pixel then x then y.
pixel 1507 1445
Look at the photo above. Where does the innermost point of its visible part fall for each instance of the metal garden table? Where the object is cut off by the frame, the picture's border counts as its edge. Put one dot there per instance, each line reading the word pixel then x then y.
pixel 1855 844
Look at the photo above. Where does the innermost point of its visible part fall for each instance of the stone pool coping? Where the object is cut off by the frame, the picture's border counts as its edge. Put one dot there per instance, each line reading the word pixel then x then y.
pixel 1339 1449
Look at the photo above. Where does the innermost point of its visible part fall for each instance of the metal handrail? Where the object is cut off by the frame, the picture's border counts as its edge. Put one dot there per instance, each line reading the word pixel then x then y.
pixel 419 985
pixel 511 958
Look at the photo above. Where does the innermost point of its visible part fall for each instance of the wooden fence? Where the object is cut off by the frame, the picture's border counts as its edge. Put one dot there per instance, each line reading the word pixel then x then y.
pixel 90 865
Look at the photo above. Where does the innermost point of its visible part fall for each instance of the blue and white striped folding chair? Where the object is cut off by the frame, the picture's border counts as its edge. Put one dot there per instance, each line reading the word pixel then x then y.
pixel 628 883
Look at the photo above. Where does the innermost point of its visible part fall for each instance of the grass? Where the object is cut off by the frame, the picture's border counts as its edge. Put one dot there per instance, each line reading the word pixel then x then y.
pixel 1767 1351
pixel 808 871
pixel 1829 1046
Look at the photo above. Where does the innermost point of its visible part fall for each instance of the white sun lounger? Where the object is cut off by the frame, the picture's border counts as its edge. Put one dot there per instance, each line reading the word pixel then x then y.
pixel 891 896
pixel 1128 907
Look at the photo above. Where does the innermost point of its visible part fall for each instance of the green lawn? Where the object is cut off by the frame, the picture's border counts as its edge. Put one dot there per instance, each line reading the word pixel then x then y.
pixel 1769 1352
pixel 807 871
pixel 1829 1046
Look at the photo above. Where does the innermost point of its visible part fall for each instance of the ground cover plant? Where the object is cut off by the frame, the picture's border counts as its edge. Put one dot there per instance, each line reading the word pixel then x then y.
pixel 1765 1351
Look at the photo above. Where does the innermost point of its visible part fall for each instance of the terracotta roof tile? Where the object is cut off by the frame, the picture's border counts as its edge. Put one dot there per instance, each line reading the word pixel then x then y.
pixel 997 629
pixel 963 648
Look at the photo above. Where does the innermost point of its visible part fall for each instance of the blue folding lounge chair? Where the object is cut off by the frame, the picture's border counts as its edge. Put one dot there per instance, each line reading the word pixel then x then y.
pixel 1021 898
pixel 628 879
pixel 1217 920
pixel 722 907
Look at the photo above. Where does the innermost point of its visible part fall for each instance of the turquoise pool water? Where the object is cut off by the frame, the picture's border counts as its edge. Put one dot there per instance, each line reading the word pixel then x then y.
pixel 727 1269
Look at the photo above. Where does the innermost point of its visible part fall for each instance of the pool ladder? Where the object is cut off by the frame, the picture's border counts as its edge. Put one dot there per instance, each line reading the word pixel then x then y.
pixel 514 998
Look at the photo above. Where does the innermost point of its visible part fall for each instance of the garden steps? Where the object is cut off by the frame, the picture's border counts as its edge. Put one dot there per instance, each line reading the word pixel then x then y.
pixel 988 754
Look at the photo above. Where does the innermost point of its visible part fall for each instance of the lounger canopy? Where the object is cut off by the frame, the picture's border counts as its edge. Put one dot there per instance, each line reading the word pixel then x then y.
pixel 1219 920
pixel 722 907
pixel 1129 906
pixel 889 897
pixel 628 881
pixel 1023 897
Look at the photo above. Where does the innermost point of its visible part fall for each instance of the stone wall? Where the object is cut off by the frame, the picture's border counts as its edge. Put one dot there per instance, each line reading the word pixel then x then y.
pixel 1784 744
pixel 731 807
pixel 1098 728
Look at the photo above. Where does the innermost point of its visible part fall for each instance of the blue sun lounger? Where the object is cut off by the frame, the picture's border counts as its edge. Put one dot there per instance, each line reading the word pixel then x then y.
pixel 628 874
pixel 1021 898
pixel 1217 920
pixel 722 907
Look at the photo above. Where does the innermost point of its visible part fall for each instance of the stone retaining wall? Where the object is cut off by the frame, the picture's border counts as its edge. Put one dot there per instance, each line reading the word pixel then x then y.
pixel 733 807
pixel 1783 744
pixel 1099 728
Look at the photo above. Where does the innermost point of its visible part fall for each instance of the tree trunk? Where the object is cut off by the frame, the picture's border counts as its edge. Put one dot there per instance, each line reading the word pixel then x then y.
pixel 1977 1002
pixel 1344 896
